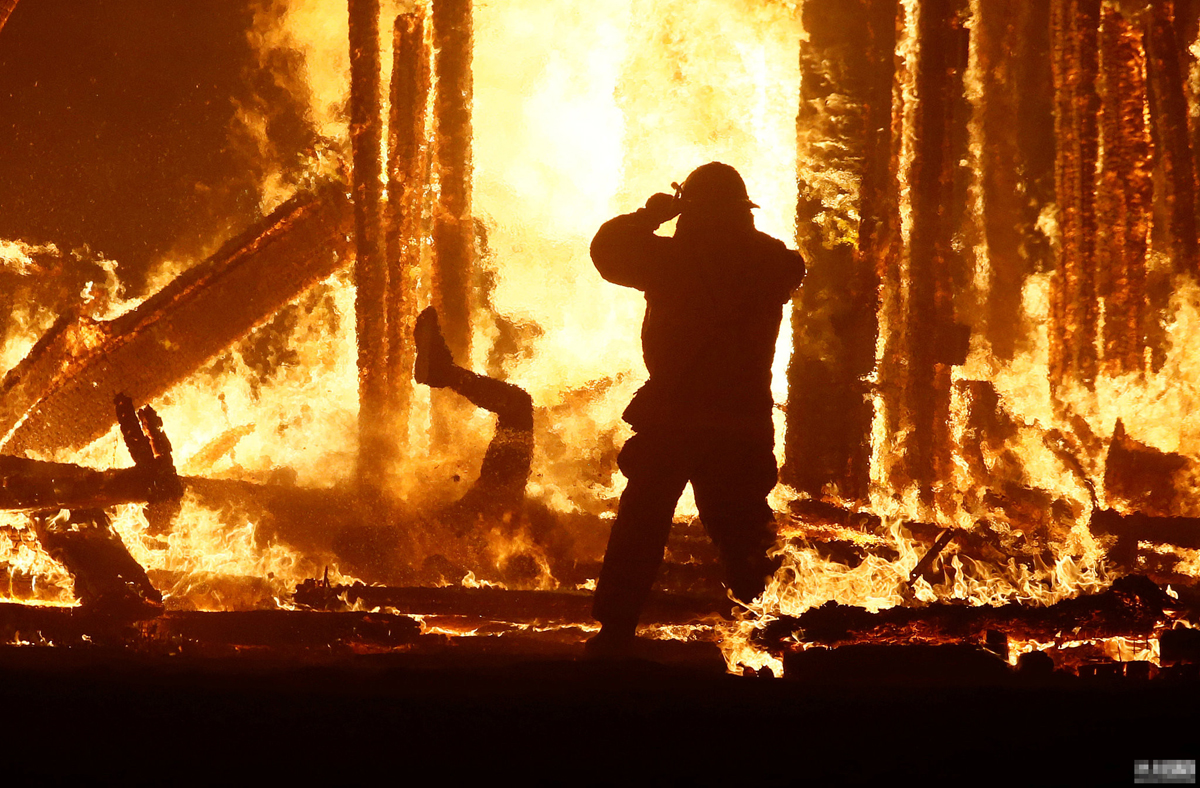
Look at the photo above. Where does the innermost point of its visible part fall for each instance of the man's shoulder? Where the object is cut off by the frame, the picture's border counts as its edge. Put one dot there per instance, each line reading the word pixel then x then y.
pixel 771 243
pixel 782 266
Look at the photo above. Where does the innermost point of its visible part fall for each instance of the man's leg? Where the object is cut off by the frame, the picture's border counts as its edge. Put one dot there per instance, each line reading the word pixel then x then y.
pixel 731 483
pixel 501 483
pixel 639 533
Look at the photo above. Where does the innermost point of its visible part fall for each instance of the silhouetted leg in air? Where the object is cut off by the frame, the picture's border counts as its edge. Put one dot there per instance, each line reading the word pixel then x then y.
pixel 500 490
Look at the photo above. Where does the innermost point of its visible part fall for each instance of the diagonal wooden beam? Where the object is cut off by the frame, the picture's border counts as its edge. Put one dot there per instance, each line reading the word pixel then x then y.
pixel 60 396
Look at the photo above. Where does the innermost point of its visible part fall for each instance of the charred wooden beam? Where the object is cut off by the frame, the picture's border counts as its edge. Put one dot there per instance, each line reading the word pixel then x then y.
pixel 844 131
pixel 106 575
pixel 1133 605
pixel 407 181
pixel 212 633
pixel 926 562
pixel 34 485
pixel 1138 527
pixel 59 396
pixel 453 228
pixel 1016 139
pixel 817 514
pixel 938 193
pixel 370 266
pixel 1074 33
pixel 6 9
pixel 518 607
pixel 1165 67
pixel 1124 201
pixel 282 629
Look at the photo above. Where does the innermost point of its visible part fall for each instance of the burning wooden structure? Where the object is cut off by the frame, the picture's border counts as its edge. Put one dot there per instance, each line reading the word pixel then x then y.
pixel 998 206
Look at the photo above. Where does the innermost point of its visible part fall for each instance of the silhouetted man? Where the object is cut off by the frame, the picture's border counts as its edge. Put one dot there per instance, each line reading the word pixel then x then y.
pixel 714 300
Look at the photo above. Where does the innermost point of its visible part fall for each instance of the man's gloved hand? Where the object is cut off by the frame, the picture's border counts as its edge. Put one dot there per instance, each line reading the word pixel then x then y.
pixel 662 208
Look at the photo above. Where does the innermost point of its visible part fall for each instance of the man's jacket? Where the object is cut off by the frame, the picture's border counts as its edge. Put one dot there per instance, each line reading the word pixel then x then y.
pixel 714 301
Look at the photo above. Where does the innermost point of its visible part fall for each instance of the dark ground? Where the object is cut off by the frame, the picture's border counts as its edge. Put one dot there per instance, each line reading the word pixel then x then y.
pixel 454 714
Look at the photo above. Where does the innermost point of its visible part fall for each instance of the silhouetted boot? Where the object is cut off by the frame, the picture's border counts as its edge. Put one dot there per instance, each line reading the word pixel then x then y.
pixel 611 642
pixel 434 365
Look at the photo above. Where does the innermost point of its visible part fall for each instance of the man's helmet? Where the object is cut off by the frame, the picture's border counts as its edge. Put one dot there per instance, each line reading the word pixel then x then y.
pixel 715 185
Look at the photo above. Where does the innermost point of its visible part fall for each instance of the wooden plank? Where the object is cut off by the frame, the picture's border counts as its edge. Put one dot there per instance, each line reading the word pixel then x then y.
pixel 60 395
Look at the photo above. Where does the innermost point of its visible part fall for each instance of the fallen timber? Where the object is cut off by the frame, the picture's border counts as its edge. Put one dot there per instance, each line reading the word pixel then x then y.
pixel 206 633
pixel 1133 607
pixel 33 485
pixel 67 503
pixel 58 396
pixel 559 608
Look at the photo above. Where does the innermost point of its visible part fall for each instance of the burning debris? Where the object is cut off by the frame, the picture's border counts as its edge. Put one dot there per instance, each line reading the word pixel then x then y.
pixel 986 410
pixel 58 397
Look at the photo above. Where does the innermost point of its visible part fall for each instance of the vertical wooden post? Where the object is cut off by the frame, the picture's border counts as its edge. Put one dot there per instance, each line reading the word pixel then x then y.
pixel 1169 113
pixel 1074 29
pixel 370 269
pixel 453 231
pixel 1125 192
pixel 843 126
pixel 937 186
pixel 406 200
pixel 1015 131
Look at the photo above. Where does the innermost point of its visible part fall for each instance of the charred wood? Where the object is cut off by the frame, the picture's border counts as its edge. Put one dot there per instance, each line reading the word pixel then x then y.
pixel 1139 527
pixel 6 9
pixel 370 267
pixel 1165 67
pixel 1141 477
pixel 938 184
pixel 1075 26
pixel 907 666
pixel 1179 645
pixel 59 396
pixel 407 181
pixel 844 130
pixel 923 566
pixel 1125 193
pixel 106 575
pixel 518 607
pixel 69 626
pixel 1016 137
pixel 813 512
pixel 1132 606
pixel 280 629
pixel 34 485
pixel 453 229
pixel 208 633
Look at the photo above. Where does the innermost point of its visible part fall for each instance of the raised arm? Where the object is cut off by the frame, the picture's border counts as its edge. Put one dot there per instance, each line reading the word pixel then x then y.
pixel 626 251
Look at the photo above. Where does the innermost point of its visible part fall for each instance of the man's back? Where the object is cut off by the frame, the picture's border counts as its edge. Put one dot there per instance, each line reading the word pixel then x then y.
pixel 714 295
